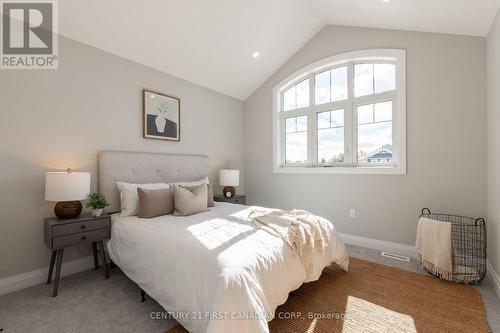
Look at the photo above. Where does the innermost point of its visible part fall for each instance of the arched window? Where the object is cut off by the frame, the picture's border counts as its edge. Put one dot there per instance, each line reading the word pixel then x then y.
pixel 343 114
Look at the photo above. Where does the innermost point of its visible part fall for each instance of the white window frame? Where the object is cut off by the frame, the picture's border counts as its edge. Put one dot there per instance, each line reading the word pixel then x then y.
pixel 398 98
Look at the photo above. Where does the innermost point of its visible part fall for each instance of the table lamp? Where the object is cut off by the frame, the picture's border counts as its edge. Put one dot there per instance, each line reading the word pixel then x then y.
pixel 229 179
pixel 67 188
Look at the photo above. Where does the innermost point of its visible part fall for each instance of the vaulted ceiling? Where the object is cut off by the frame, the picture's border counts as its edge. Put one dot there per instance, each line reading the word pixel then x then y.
pixel 211 42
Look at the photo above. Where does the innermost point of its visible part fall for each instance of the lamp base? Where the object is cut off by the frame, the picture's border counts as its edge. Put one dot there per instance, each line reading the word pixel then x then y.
pixel 68 209
pixel 229 191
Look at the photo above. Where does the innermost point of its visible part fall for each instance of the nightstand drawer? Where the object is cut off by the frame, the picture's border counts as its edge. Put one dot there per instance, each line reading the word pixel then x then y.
pixel 75 227
pixel 81 237
pixel 239 200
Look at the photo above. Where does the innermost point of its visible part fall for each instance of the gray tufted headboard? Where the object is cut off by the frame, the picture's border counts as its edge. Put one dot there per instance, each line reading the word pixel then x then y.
pixel 142 168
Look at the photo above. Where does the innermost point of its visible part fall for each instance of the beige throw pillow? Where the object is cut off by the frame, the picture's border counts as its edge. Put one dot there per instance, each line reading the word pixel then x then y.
pixel 189 202
pixel 210 193
pixel 129 200
pixel 154 203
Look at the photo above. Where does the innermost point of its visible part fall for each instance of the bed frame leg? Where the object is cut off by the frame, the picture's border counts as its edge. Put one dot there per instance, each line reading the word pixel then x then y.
pixel 111 264
pixel 143 296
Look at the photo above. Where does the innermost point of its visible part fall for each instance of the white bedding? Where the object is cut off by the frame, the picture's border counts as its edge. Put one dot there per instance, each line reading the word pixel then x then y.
pixel 214 271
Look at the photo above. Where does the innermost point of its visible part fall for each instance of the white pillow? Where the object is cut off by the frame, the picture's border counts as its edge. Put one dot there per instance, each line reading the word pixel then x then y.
pixel 129 199
pixel 193 183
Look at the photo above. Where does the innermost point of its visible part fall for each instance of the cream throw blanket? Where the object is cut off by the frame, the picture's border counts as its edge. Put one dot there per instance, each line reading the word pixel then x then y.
pixel 433 247
pixel 298 228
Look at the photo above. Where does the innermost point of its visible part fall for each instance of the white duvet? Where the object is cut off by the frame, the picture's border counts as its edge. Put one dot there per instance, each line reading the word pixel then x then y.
pixel 214 271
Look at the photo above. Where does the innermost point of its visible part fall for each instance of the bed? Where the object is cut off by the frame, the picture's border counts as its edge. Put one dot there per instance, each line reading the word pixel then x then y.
pixel 213 271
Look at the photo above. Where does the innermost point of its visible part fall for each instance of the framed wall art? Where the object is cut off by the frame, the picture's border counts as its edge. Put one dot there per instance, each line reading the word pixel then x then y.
pixel 161 116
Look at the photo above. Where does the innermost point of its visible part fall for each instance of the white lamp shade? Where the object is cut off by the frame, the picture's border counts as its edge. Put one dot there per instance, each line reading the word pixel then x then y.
pixel 229 177
pixel 67 186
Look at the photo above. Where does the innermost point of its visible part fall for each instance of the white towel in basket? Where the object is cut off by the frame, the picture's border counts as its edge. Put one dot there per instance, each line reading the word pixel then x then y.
pixel 433 247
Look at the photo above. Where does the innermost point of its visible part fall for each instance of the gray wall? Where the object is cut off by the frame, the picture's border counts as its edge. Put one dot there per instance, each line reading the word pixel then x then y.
pixel 54 119
pixel 446 84
pixel 493 144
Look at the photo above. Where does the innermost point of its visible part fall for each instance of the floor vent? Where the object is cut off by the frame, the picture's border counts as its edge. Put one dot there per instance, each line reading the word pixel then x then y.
pixel 395 256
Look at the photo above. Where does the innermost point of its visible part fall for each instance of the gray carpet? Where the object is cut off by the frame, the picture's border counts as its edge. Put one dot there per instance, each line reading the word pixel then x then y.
pixel 88 303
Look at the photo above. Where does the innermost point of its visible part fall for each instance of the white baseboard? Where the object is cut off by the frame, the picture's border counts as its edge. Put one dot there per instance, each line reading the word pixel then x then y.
pixel 379 245
pixel 494 277
pixel 28 279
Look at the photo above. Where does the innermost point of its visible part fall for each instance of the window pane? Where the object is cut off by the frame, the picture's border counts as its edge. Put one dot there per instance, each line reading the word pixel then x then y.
pixel 301 123
pixel 296 147
pixel 385 77
pixel 289 99
pixel 322 88
pixel 383 111
pixel 331 145
pixel 375 143
pixel 365 114
pixel 337 118
pixel 339 84
pixel 363 79
pixel 324 120
pixel 290 125
pixel 303 94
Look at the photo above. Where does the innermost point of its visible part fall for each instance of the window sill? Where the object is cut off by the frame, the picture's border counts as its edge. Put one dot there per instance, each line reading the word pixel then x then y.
pixel 360 170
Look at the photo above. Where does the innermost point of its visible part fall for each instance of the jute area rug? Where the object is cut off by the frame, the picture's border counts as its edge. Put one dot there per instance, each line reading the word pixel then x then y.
pixel 377 298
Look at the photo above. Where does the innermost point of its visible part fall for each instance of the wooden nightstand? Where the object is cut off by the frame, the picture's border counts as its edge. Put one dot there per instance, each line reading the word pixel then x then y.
pixel 237 199
pixel 83 229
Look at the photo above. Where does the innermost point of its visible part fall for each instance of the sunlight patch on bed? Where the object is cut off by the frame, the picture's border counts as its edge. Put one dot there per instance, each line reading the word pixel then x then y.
pixel 217 232
pixel 361 315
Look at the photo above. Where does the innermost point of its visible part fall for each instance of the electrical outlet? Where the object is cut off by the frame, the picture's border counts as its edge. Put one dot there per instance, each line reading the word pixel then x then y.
pixel 352 213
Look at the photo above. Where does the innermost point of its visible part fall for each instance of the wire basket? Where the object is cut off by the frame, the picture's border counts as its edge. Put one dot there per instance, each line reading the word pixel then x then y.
pixel 468 246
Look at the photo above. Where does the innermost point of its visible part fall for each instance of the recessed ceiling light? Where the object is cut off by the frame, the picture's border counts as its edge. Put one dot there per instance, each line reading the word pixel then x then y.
pixel 255 55
pixel 386 0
